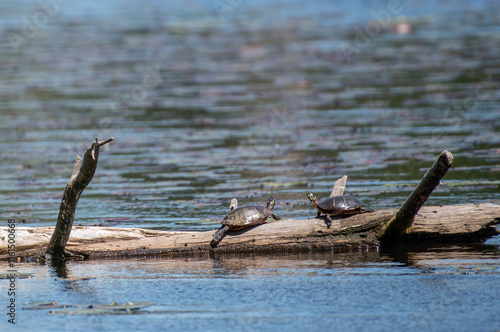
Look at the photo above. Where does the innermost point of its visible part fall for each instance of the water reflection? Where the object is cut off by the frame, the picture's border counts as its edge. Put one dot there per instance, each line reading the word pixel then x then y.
pixel 59 268
pixel 244 265
pixel 303 289
pixel 436 256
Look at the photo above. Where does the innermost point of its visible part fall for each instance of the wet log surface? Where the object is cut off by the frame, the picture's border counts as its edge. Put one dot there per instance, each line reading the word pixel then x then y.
pixel 434 224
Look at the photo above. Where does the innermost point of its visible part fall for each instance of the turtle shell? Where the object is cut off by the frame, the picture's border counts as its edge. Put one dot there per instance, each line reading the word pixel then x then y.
pixel 339 205
pixel 246 216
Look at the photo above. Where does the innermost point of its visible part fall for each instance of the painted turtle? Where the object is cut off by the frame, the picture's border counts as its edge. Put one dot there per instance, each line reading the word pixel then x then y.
pixel 244 217
pixel 337 206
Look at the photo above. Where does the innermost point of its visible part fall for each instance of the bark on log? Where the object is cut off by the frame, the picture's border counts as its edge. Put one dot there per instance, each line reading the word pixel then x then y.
pixel 403 220
pixel 82 174
pixel 463 223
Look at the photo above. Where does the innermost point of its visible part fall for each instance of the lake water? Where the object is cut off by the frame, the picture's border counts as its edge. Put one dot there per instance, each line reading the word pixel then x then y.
pixel 431 289
pixel 219 99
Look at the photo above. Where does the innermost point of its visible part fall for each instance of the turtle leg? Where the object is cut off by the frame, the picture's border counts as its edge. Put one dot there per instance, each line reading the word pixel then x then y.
pixel 275 216
pixel 318 215
pixel 328 220
pixel 219 235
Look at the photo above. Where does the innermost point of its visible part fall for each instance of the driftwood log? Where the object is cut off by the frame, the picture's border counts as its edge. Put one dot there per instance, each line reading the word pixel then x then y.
pixel 464 223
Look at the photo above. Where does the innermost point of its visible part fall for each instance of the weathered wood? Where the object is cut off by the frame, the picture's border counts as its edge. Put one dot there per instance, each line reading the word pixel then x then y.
pixel 339 187
pixel 403 219
pixel 82 174
pixel 433 224
pixel 233 204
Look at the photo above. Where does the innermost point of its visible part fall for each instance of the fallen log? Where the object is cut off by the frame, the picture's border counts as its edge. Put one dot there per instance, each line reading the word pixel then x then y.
pixel 434 224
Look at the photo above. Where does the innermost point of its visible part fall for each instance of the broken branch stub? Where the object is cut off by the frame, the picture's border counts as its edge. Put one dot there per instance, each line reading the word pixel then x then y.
pixel 403 219
pixel 82 174
pixel 339 187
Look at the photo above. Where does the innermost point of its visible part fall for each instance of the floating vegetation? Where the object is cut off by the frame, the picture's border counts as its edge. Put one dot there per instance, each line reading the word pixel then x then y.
pixel 107 309
pixel 477 269
pixel 43 305
pixel 17 275
pixel 90 309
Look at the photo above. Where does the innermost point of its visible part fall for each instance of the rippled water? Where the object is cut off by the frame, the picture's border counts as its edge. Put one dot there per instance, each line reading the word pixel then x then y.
pixel 248 100
pixel 260 103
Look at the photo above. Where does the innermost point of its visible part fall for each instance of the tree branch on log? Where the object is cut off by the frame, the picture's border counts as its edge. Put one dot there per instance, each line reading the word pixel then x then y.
pixel 82 174
pixel 403 220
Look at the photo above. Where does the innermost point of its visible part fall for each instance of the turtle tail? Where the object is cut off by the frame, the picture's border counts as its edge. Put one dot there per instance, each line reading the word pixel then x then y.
pixel 219 235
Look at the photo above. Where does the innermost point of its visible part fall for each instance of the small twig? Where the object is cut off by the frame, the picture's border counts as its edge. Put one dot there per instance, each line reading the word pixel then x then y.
pixel 403 219
pixel 106 141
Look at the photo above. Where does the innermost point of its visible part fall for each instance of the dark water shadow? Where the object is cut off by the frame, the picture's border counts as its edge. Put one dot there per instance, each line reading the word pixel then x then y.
pixel 59 268
pixel 414 255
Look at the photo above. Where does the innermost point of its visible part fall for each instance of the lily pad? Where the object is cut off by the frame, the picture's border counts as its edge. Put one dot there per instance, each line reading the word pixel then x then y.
pixel 105 309
pixel 18 275
pixel 43 305
pixel 127 306
pixel 477 269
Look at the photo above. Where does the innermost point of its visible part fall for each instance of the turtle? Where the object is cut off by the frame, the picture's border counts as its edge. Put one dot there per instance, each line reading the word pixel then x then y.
pixel 337 206
pixel 243 217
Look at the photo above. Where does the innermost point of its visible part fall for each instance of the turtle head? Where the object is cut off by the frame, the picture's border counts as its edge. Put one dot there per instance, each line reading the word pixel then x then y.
pixel 311 197
pixel 270 203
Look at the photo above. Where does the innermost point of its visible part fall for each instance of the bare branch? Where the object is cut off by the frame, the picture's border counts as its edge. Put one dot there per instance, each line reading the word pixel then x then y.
pixel 106 141
pixel 403 220
pixel 82 174
pixel 339 187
